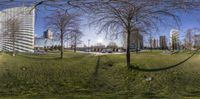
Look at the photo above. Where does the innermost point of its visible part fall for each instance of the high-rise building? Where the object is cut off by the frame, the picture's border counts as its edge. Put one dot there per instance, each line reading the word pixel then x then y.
pixel 24 40
pixel 48 34
pixel 154 43
pixel 136 40
pixel 197 41
pixel 163 43
pixel 46 41
pixel 174 39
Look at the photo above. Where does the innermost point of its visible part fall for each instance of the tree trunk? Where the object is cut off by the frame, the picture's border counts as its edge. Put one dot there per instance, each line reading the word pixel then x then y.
pixel 128 49
pixel 75 44
pixel 74 48
pixel 13 54
pixel 62 48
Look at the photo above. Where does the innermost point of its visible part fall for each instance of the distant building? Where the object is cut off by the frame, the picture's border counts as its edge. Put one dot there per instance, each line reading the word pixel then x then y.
pixel 163 43
pixel 174 39
pixel 197 41
pixel 48 34
pixel 112 45
pixel 46 43
pixel 98 47
pixel 154 43
pixel 136 40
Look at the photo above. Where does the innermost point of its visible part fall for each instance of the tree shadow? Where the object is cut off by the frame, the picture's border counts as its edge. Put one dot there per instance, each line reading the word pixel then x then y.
pixel 95 73
pixel 151 95
pixel 163 68
pixel 192 94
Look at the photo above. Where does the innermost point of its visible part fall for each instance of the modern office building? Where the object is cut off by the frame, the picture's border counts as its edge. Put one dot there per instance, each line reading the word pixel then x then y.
pixel 46 41
pixel 48 34
pixel 24 34
pixel 136 40
pixel 163 43
pixel 197 41
pixel 174 39
pixel 154 43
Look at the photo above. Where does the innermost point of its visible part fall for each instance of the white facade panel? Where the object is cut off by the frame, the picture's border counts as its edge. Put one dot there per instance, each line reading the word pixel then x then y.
pixel 25 34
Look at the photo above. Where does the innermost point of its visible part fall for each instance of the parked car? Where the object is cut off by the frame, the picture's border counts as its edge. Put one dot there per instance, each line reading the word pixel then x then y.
pixel 88 50
pixel 103 51
pixel 106 51
pixel 109 50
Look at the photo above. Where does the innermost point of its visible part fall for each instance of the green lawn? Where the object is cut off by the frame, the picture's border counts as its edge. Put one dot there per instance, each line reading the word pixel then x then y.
pixel 82 75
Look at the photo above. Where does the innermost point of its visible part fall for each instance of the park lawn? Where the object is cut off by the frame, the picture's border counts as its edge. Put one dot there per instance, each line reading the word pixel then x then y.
pixel 82 75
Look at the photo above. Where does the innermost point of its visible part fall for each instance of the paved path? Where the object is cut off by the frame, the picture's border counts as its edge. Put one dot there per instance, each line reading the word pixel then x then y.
pixel 99 53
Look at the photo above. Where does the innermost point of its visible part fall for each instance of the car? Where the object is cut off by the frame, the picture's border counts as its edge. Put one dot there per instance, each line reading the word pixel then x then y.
pixel 103 51
pixel 106 51
pixel 88 50
pixel 109 50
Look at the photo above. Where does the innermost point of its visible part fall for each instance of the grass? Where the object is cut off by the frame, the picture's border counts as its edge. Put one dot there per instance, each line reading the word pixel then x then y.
pixel 82 75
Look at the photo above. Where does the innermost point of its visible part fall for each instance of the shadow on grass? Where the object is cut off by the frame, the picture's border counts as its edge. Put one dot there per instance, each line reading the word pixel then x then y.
pixel 40 58
pixel 192 94
pixel 151 95
pixel 164 68
pixel 95 74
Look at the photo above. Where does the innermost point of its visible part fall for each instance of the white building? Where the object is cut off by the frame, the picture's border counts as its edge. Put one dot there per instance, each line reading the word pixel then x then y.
pixel 48 34
pixel 174 39
pixel 46 40
pixel 25 34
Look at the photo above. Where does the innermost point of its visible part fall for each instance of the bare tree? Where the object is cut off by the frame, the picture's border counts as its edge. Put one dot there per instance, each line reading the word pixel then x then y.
pixel 75 37
pixel 11 32
pixel 118 16
pixel 62 23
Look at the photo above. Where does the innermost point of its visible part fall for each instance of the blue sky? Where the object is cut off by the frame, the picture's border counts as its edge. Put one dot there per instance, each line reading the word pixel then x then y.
pixel 188 20
pixel 90 33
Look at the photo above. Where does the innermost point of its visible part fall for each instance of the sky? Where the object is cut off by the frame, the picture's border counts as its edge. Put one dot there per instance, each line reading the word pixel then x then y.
pixel 188 20
pixel 90 33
